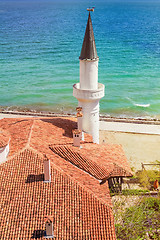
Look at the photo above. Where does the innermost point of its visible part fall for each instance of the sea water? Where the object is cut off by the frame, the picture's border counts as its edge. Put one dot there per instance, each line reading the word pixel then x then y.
pixel 40 44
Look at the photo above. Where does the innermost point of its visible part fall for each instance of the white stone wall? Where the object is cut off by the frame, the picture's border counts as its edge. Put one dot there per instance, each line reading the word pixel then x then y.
pixel 4 151
pixel 88 74
pixel 89 101
pixel 88 94
pixel 79 121
pixel 90 119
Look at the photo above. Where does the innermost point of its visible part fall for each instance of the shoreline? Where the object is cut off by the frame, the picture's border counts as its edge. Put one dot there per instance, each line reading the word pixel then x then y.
pixel 105 118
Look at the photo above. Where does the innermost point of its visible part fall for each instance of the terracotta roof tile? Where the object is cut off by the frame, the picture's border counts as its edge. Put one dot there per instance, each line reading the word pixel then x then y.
pixel 100 162
pixel 24 204
pixel 54 131
pixel 80 205
pixel 49 219
pixel 81 162
pixel 101 192
pixel 4 138
pixel 19 130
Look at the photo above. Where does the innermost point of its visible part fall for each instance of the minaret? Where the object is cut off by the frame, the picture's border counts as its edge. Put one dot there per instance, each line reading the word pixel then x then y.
pixel 89 91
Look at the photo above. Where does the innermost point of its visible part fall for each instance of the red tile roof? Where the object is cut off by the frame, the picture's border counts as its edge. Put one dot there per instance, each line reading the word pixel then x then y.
pixel 49 219
pixel 81 162
pixel 108 161
pixel 106 156
pixel 81 206
pixel 26 200
pixel 19 130
pixel 4 138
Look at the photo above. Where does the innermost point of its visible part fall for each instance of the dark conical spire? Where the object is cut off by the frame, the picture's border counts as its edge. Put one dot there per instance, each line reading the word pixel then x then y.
pixel 89 47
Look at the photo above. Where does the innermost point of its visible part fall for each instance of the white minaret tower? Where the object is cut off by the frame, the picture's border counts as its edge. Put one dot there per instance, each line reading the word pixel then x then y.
pixel 89 91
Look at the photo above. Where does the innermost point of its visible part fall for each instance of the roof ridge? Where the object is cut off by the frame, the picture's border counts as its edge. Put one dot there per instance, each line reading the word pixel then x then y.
pixel 64 173
pixel 16 154
pixel 30 134
pixel 82 211
pixel 25 147
pixel 79 183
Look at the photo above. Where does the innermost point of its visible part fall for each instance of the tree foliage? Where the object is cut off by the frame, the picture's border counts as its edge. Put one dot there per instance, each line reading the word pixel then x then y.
pixel 147 177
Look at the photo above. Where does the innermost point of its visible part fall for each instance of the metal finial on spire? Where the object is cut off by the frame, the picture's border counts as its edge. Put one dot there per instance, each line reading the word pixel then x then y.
pixel 91 9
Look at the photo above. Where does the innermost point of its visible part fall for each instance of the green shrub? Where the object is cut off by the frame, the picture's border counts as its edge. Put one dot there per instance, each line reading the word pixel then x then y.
pixel 133 192
pixel 140 221
pixel 151 203
pixel 146 177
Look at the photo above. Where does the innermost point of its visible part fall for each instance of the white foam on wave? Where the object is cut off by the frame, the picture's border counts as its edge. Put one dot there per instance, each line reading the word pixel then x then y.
pixel 138 104
pixel 142 105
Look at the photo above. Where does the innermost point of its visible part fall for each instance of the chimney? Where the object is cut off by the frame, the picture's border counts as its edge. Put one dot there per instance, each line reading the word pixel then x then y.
pixel 49 230
pixel 79 120
pixel 47 170
pixel 79 109
pixel 77 135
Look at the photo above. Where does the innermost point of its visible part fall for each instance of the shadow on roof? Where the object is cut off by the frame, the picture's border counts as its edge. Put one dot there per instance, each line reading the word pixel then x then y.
pixel 65 124
pixel 35 178
pixel 23 120
pixel 38 234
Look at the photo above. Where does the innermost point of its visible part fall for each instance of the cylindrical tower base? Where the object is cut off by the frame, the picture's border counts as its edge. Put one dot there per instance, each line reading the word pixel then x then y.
pixel 90 119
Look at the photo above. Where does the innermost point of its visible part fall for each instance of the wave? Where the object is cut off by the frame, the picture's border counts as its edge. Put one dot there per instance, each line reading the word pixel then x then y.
pixel 142 105
pixel 138 104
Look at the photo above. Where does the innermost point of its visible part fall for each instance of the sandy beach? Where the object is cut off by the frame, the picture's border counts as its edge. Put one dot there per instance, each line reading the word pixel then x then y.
pixel 138 147
pixel 140 140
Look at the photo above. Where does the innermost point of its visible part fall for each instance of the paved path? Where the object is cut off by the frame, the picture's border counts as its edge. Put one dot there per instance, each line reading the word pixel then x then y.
pixel 3 115
pixel 130 127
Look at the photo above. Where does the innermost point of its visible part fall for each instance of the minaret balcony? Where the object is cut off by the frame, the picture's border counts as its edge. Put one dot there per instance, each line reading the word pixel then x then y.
pixel 88 94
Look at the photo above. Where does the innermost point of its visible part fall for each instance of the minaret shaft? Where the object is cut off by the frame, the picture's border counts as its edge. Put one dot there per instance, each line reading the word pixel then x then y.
pixel 90 119
pixel 89 74
pixel 88 92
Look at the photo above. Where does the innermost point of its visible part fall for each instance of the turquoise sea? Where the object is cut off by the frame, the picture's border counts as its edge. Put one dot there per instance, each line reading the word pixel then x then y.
pixel 40 44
